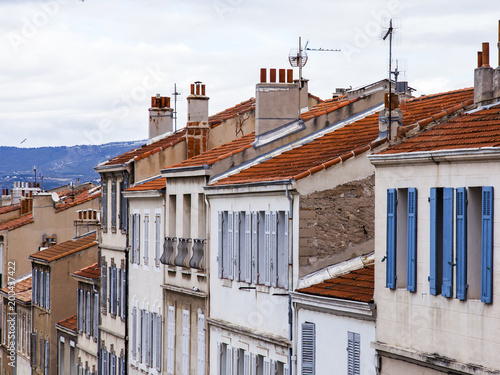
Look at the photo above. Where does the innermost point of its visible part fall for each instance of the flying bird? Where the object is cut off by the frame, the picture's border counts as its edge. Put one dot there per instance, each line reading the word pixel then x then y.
pixel 24 140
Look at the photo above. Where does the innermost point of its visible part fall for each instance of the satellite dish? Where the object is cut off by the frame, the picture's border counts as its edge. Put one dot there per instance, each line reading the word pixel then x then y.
pixel 297 58
pixel 55 197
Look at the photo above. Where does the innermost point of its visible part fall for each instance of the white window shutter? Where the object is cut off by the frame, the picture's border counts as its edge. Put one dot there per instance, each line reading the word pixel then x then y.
pixel 96 315
pixel 273 367
pixel 185 342
pixel 219 358
pixel 171 340
pixel 255 247
pixel 88 315
pixel 147 340
pixel 267 366
pixel 246 363
pixel 236 248
pixel 248 247
pixel 201 344
pixel 229 360
pixel 308 348
pixel 282 262
pixel 254 364
pixel 157 239
pixel 123 303
pixel 273 256
pixel 229 259
pixel 286 370
pixel 267 249
pixel 159 337
pixel 220 257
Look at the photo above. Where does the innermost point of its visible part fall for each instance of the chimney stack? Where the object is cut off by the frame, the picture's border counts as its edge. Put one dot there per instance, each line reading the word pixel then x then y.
pixel 197 125
pixel 390 118
pixel 486 79
pixel 277 103
pixel 160 116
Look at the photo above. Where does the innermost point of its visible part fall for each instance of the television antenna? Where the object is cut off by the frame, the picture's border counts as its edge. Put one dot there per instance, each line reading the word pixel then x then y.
pixel 175 94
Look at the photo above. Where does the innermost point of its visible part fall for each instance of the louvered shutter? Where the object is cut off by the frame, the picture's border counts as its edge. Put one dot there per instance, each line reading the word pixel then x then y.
pixel 113 204
pixel 35 285
pixel 134 333
pixel 286 370
pixel 42 289
pixel 112 364
pixel 185 342
pixel 411 280
pixel 78 311
pixel 487 245
pixel 229 360
pixel 47 356
pixel 391 238
pixel 220 258
pixel 267 248
pixel 273 367
pixel 157 240
pixel 248 248
pixel 147 338
pixel 236 249
pixel 115 291
pixel 96 315
pixel 433 271
pixel 229 255
pixel 353 354
pixel 123 304
pixel 146 239
pixel 124 366
pixel 82 311
pixel 447 287
pixel 255 247
pixel 273 249
pixel 47 290
pixel 308 348
pixel 171 340
pixel 88 315
pixel 246 363
pixel 219 358
pixel 141 335
pixel 158 331
pixel 254 364
pixel 104 362
pixel 283 250
pixel 267 366
pixel 33 348
pixel 201 344
pixel 104 203
pixel 137 237
pixel 104 286
pixel 461 242
pixel 236 358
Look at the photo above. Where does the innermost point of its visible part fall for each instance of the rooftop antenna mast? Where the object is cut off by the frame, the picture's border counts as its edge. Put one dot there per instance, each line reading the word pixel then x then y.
pixel 175 94
pixel 389 33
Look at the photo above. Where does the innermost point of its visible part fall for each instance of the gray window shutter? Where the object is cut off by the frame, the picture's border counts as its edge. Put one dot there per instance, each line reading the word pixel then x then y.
pixel 113 204
pixel 267 366
pixel 229 259
pixel 136 238
pixel 353 354
pixel 115 290
pixel 123 286
pixel 42 289
pixel 246 363
pixel 201 344
pixel 171 341
pixel 34 281
pixel 104 192
pixel 147 338
pixel 96 315
pixel 267 249
pixel 220 258
pixel 47 290
pixel 308 348
pixel 78 311
pixel 283 249
pixel 47 356
pixel 236 249
pixel 236 358
pixel 33 349
pixel 104 286
pixel 159 337
pixel 229 360
pixel 247 255
pixel 255 247
pixel 141 338
pixel 146 239
pixel 82 311
pixel 88 315
pixel 219 358
pixel 157 240
pixel 273 256
pixel 185 342
pixel 134 333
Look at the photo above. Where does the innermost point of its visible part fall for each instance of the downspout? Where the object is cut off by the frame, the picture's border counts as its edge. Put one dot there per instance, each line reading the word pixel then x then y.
pixel 127 273
pixel 290 276
pixel 207 307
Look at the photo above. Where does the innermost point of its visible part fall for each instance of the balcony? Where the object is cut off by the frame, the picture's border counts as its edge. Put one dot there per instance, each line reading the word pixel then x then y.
pixel 195 253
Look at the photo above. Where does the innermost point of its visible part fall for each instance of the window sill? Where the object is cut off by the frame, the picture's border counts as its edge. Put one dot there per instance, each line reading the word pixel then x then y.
pixel 227 283
pixel 262 289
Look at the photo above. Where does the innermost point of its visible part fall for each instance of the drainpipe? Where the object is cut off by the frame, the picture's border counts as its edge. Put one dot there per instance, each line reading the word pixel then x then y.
pixel 290 276
pixel 207 306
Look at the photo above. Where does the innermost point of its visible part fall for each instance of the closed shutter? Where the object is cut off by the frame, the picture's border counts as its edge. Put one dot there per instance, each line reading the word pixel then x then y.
pixel 229 255
pixel 113 204
pixel 137 237
pixel 201 344
pixel 273 249
pixel 124 366
pixel 461 243
pixel 220 257
pixel 146 338
pixel 353 354
pixel 254 364
pixel 248 248
pixel 236 359
pixel 434 262
pixel 308 348
pixel 411 280
pixel 237 246
pixel 487 245
pixel 146 239
pixel 47 290
pixel 447 287
pixel 140 354
pixel 78 311
pixel 229 360
pixel 112 364
pixel 115 291
pixel 255 247
pixel 33 348
pixel 286 370
pixel 35 286
pixel 246 363
pixel 267 366
pixel 283 250
pixel 171 340
pixel 123 305
pixel 42 289
pixel 158 331
pixel 88 314
pixel 391 238
pixel 134 333
pixel 104 203
pixel 104 286
pixel 157 240
pixel 185 342
pixel 47 356
pixel 82 310
pixel 96 315
pixel 104 362
pixel 273 367
pixel 267 249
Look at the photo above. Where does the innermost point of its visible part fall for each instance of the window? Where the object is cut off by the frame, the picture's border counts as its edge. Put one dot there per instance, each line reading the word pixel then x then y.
pixel 123 203
pixel 113 204
pixel 308 348
pixel 148 339
pixel 353 354
pixel 467 261
pixel 104 286
pixel 186 336
pixel 87 311
pixel 123 292
pixel 135 256
pixel 401 243
pixel 157 337
pixel 253 247
pixel 146 238
pixel 61 357
pixel 33 348
pixel 113 290
pixel 171 340
pixel 41 286
pixel 134 333
pixel 201 344
pixel 236 361
pixel 104 189
pixel 157 239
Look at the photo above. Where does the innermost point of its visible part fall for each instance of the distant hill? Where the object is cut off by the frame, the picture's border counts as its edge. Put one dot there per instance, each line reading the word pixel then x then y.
pixel 56 166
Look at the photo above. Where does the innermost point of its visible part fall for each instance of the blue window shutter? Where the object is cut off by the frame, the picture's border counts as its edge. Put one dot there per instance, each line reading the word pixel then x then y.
pixel 487 245
pixel 220 245
pixel 433 272
pixel 391 239
pixel 411 280
pixel 255 247
pixel 447 287
pixel 461 243
pixel 308 348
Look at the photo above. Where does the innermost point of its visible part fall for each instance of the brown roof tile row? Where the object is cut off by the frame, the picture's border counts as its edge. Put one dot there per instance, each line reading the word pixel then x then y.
pixel 71 198
pixel 156 184
pixel 89 272
pixel 69 323
pixel 10 208
pixel 18 222
pixel 65 248
pixel 21 290
pixel 238 109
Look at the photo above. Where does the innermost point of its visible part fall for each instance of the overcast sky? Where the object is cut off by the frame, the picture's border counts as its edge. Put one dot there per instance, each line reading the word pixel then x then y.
pixel 74 72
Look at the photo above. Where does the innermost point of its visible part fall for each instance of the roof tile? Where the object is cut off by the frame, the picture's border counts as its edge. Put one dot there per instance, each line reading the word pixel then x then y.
pixel 65 248
pixel 69 323
pixel 89 272
pixel 156 184
pixel 18 222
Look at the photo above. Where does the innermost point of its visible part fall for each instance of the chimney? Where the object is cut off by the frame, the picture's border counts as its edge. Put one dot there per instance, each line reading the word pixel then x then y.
pixel 160 116
pixel 197 125
pixel 483 78
pixel 277 102
pixel 390 118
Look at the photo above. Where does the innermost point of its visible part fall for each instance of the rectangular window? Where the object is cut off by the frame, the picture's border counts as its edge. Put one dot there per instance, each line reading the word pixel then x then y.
pixel 136 224
pixel 308 348
pixel 123 204
pixel 146 239
pixel 353 354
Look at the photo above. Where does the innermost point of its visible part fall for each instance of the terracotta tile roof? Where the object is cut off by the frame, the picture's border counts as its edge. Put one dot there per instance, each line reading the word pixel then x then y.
pixel 156 184
pixel 471 130
pixel 69 323
pixel 315 97
pixel 16 223
pixel 339 145
pixel 22 290
pixel 70 198
pixel 89 272
pixel 66 248
pixel 238 109
pixel 147 149
pixel 218 153
pixel 327 106
pixel 10 208
pixel 357 285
